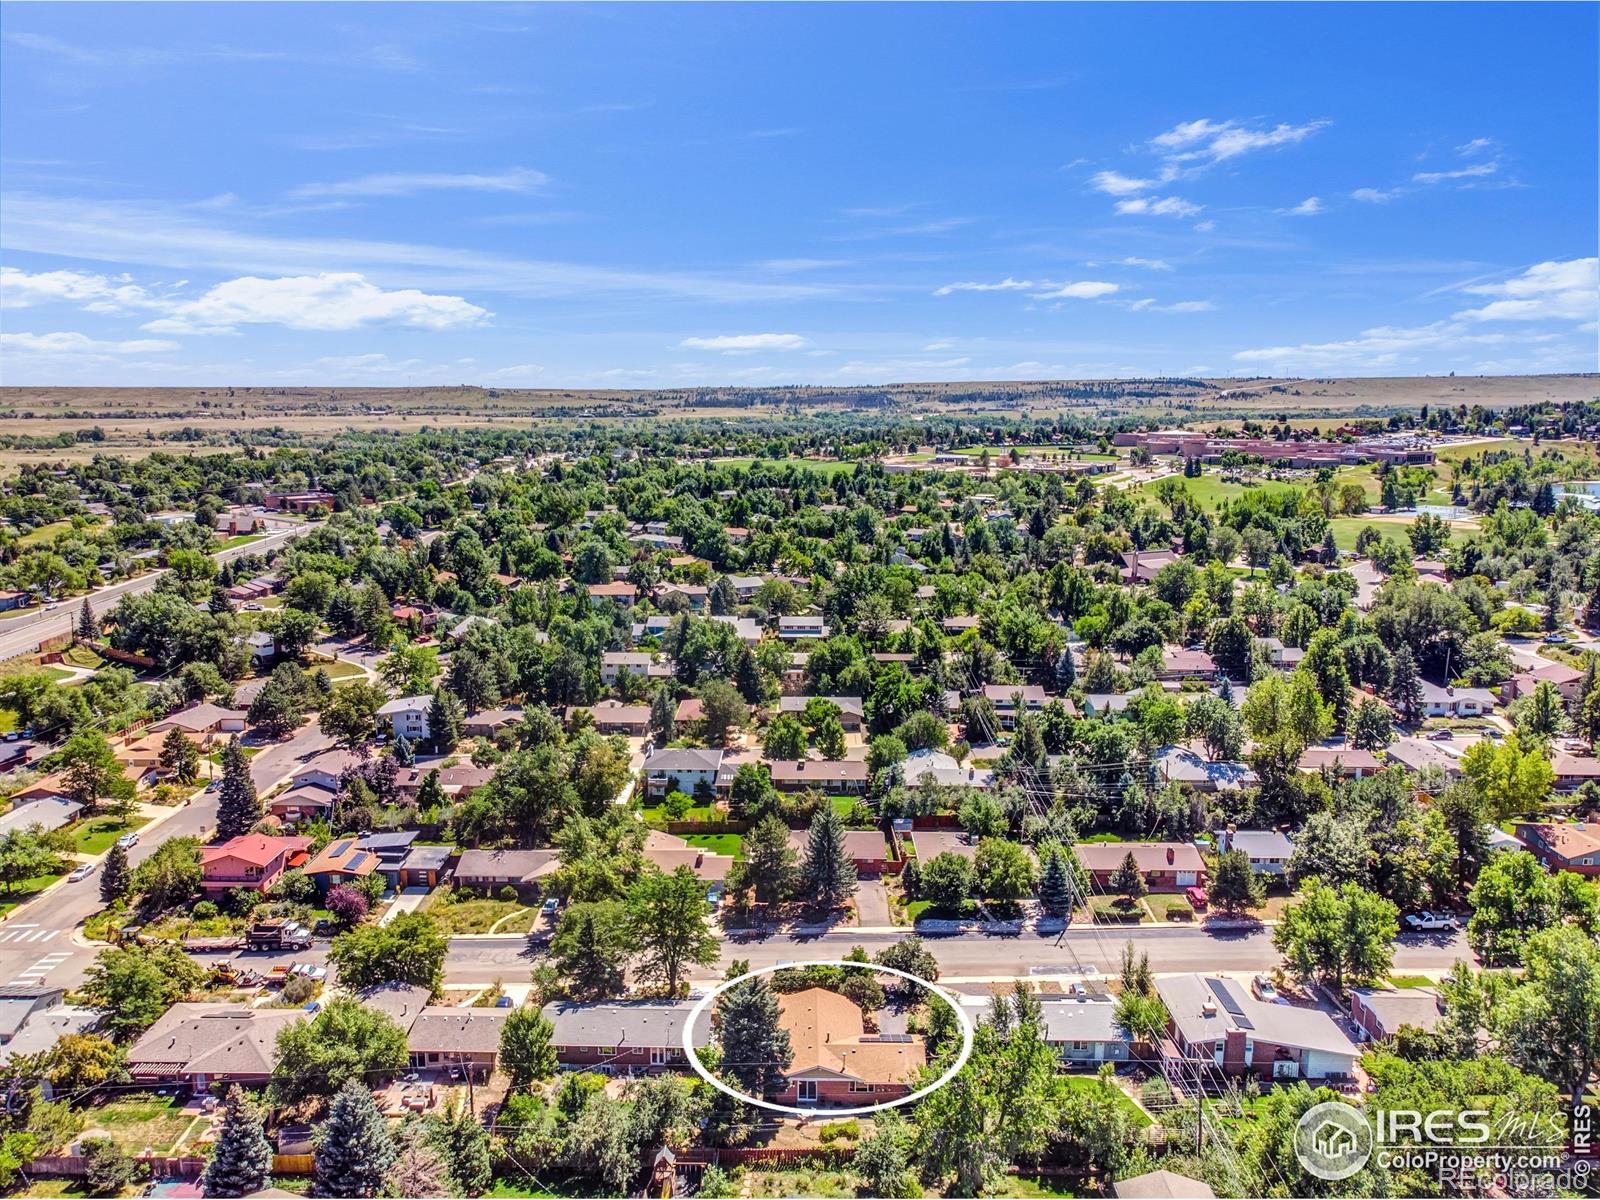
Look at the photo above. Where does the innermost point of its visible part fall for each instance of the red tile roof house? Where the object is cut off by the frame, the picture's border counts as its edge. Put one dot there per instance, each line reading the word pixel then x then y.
pixel 253 861
pixel 866 848
pixel 622 1037
pixel 844 777
pixel 1166 866
pixel 1574 847
pixel 835 1061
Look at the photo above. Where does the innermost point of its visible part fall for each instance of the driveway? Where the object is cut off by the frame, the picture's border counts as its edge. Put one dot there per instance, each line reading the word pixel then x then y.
pixel 872 904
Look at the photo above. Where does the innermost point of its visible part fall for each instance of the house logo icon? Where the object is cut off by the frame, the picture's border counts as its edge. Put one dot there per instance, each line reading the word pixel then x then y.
pixel 1333 1140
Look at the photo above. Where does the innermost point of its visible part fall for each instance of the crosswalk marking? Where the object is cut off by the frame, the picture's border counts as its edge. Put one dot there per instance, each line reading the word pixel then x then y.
pixel 27 933
pixel 37 972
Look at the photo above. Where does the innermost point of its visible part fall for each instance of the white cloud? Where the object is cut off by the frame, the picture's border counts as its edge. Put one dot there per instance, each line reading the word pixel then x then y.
pixel 932 347
pixel 1007 284
pixel 65 345
pixel 402 183
pixel 97 293
pixel 1088 289
pixel 1475 146
pixel 1372 196
pixel 1475 171
pixel 1217 141
pixel 745 343
pixel 1180 306
pixel 1157 206
pixel 1153 264
pixel 1559 291
pixel 170 237
pixel 1114 183
pixel 1309 207
pixel 329 302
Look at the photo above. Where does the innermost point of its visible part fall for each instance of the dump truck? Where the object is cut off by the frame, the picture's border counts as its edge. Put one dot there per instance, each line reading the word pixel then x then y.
pixel 280 934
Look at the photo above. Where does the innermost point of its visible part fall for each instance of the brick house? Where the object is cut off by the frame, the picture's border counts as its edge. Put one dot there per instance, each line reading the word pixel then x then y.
pixel 1560 847
pixel 1166 866
pixel 843 777
pixel 1216 1024
pixel 621 1036
pixel 835 1060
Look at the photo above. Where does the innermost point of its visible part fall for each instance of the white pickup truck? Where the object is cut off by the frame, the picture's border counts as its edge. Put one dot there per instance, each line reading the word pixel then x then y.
pixel 1425 922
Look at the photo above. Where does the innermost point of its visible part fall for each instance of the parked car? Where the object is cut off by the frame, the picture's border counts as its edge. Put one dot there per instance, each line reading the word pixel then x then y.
pixel 79 873
pixel 128 841
pixel 1555 639
pixel 1261 988
pixel 550 906
pixel 1429 921
pixel 1441 735
pixel 1197 898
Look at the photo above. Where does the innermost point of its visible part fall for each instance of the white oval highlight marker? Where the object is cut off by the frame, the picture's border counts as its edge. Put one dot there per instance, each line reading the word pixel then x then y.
pixel 705 1002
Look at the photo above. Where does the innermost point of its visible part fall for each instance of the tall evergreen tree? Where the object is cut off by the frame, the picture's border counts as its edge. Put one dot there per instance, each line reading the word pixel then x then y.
pixel 1127 880
pixel 1405 686
pixel 663 716
pixel 180 757
pixel 463 1143
pixel 755 1047
pixel 770 860
pixel 353 1148
pixel 238 806
pixel 444 721
pixel 115 877
pixel 403 752
pixel 242 1160
pixel 1066 671
pixel 88 623
pixel 827 877
pixel 1055 885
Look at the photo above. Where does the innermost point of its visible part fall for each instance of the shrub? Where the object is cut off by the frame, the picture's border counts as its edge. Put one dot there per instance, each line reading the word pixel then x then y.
pixel 204 910
pixel 1155 1092
pixel 1177 910
pixel 297 989
pixel 508 892
pixel 834 1130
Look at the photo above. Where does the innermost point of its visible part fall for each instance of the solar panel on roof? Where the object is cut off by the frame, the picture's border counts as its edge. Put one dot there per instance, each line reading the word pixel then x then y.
pixel 1226 998
pixel 339 848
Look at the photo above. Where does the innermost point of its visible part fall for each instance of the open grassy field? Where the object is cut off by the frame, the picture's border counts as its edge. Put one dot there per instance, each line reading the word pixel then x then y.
pixel 134 421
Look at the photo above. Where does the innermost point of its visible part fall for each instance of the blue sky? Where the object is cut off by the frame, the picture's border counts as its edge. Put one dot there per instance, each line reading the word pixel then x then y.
pixel 663 195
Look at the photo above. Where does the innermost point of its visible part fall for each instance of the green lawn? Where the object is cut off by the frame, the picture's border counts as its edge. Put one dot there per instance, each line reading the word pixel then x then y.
pixel 1086 1083
pixel 83 655
pixel 24 890
pixel 95 836
pixel 46 533
pixel 1345 529
pixel 917 909
pixel 243 539
pixel 8 721
pixel 140 1120
pixel 476 916
pixel 340 671
pixel 57 674
pixel 828 468
pixel 1410 981
pixel 717 843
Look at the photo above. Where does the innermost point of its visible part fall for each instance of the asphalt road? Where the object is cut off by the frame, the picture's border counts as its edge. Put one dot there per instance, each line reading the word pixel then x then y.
pixel 20 634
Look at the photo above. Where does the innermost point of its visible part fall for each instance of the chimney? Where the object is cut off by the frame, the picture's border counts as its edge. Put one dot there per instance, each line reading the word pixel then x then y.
pixel 1172 856
pixel 1208 1008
